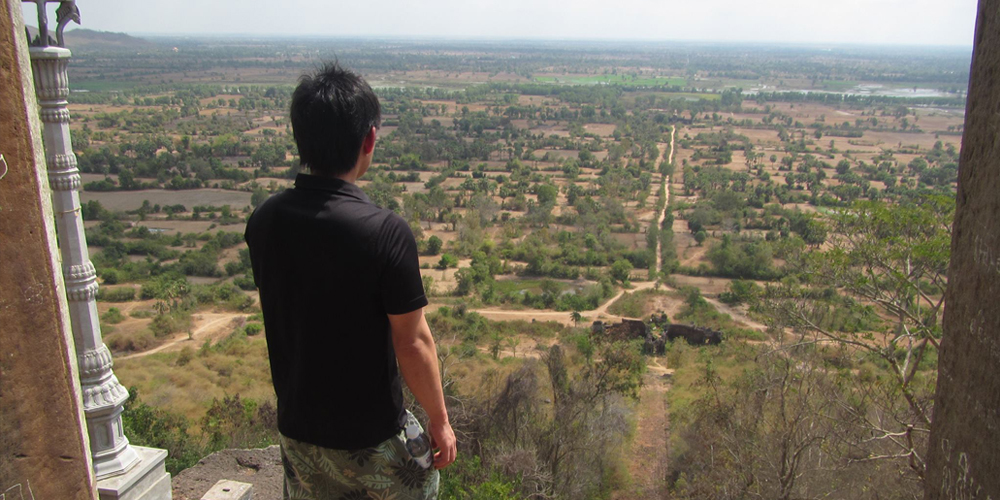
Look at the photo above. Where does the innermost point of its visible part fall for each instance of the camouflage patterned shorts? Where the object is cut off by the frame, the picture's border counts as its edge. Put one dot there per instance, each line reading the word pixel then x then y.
pixel 383 472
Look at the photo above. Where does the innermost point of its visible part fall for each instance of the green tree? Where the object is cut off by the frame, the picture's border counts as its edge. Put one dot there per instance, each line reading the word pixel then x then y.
pixel 434 245
pixel 547 193
pixel 259 195
pixel 700 237
pixel 843 167
pixel 447 260
pixel 814 232
pixel 620 270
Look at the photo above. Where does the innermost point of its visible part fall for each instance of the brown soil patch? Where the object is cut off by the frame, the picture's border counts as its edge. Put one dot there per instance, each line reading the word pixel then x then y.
pixel 707 285
pixel 602 129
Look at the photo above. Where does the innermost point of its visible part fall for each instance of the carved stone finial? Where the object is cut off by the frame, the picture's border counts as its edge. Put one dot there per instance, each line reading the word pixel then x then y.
pixel 66 12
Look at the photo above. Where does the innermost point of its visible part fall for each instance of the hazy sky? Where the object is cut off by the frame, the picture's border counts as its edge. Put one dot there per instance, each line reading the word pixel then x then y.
pixel 919 22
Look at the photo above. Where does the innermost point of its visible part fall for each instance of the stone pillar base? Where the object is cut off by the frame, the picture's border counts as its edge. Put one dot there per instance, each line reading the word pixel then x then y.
pixel 148 480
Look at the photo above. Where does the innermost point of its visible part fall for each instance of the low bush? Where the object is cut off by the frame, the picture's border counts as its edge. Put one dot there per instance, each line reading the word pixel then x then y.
pixel 113 316
pixel 121 294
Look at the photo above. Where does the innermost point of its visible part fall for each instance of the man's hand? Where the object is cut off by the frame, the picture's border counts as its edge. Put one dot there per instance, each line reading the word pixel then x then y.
pixel 443 440
pixel 417 356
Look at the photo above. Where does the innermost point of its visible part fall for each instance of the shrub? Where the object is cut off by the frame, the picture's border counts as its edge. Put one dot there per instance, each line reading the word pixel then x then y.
pixel 740 291
pixel 434 245
pixel 113 316
pixel 123 294
pixel 129 343
pixel 245 283
pixel 165 324
pixel 620 270
pixel 150 426
pixel 165 286
pixel 185 356
pixel 447 260
pixel 110 276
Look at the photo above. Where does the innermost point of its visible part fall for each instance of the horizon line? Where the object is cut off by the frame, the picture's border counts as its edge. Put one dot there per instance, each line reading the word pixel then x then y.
pixel 473 38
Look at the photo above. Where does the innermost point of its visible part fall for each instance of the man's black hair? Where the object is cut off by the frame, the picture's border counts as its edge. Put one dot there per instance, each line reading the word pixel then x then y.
pixel 332 111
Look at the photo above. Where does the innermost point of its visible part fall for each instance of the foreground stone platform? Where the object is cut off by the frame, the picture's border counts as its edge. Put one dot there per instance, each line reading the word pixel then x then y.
pixel 147 480
pixel 259 467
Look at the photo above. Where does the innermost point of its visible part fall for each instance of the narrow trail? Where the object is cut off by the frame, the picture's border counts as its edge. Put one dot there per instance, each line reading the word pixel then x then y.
pixel 207 326
pixel 649 451
pixel 563 316
pixel 648 456
pixel 666 194
pixel 736 314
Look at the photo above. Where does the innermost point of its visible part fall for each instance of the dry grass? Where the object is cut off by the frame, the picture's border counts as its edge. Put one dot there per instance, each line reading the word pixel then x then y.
pixel 166 381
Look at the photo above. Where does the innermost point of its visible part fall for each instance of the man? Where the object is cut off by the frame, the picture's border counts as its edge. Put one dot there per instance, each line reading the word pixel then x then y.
pixel 343 301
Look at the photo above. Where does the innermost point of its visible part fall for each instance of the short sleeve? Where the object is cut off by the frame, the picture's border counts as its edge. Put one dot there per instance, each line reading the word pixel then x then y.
pixel 400 285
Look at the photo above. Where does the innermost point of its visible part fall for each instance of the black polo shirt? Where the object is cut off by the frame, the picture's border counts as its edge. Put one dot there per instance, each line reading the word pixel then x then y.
pixel 330 265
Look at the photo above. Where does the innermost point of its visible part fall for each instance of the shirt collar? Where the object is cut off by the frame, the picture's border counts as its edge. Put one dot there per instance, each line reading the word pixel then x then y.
pixel 330 185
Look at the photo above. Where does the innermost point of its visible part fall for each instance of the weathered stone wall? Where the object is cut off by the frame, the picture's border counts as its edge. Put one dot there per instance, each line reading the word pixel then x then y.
pixel 43 449
pixel 693 335
pixel 964 454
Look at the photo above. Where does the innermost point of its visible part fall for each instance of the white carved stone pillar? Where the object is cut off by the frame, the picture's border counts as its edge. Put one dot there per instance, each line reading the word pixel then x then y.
pixel 123 471
pixel 103 395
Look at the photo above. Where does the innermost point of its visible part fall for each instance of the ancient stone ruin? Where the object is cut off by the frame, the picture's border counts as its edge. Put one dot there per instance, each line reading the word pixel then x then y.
pixel 655 333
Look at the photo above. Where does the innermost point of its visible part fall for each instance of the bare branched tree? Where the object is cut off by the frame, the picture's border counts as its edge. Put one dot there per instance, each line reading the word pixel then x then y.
pixel 887 266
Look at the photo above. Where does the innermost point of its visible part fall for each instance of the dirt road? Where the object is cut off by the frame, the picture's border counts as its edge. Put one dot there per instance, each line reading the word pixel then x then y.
pixel 736 314
pixel 212 326
pixel 666 194
pixel 601 313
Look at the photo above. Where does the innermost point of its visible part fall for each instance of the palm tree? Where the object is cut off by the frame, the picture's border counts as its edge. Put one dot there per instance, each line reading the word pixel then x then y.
pixel 576 317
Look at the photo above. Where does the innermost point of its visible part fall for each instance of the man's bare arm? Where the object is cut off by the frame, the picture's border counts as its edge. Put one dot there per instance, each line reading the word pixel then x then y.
pixel 417 357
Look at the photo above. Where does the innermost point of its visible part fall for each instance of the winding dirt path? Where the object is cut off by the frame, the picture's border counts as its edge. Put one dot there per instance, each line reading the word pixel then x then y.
pixel 563 316
pixel 206 326
pixel 736 314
